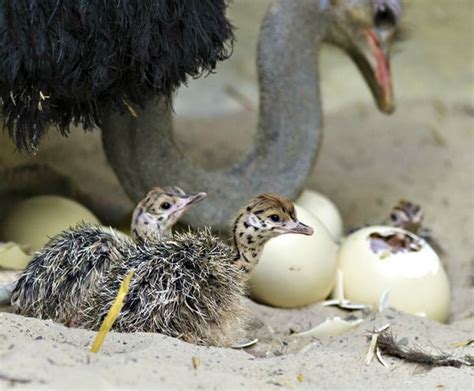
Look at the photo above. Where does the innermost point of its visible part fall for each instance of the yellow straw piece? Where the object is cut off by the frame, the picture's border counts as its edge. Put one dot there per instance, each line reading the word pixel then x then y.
pixel 463 343
pixel 132 112
pixel 113 313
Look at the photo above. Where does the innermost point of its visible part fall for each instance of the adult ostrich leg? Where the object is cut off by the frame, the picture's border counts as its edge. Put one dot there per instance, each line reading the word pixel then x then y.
pixel 143 152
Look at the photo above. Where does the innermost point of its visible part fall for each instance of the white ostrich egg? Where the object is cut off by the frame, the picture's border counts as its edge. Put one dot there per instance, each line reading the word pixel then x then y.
pixel 34 221
pixel 296 270
pixel 376 259
pixel 324 209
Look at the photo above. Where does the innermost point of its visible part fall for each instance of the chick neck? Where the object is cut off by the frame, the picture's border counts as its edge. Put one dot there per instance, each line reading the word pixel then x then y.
pixel 249 242
pixel 146 227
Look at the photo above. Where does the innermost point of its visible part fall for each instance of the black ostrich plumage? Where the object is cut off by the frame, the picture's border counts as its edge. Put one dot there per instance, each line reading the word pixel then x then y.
pixel 65 62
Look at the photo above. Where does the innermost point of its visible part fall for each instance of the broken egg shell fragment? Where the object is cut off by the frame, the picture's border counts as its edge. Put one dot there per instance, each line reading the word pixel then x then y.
pixel 296 270
pixel 378 258
pixel 330 327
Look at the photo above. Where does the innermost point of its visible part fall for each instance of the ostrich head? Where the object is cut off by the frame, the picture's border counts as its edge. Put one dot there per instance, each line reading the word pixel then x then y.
pixel 261 219
pixel 366 30
pixel 407 215
pixel 270 215
pixel 156 214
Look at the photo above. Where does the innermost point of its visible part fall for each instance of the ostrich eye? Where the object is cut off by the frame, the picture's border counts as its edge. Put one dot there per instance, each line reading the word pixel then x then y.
pixel 395 218
pixel 165 205
pixel 384 17
pixel 275 218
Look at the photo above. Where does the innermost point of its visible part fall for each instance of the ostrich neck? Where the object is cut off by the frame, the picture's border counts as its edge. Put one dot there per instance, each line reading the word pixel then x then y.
pixel 286 143
pixel 288 75
pixel 248 244
pixel 144 233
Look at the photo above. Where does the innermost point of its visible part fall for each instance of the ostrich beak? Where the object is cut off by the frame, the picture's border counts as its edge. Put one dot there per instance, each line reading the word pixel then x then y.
pixel 190 200
pixel 194 199
pixel 373 61
pixel 297 227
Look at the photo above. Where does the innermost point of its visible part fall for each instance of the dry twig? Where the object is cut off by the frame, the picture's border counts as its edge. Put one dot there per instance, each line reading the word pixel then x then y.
pixel 388 344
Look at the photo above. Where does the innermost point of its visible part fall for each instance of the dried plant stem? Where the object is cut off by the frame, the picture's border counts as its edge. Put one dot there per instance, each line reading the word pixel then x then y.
pixel 113 313
pixel 388 344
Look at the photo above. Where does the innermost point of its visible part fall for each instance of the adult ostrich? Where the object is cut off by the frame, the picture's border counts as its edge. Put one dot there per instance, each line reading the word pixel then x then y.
pixel 69 61
pixel 289 127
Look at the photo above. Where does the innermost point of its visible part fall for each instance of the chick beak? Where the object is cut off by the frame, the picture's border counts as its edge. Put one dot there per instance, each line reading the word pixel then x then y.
pixel 195 198
pixel 297 227
pixel 374 63
pixel 186 202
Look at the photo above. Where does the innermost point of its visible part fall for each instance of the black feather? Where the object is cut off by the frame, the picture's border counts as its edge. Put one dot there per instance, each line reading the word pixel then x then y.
pixel 64 62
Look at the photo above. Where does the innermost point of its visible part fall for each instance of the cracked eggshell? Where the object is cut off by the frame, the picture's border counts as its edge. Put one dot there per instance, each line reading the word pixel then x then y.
pixel 416 279
pixel 34 221
pixel 296 270
pixel 324 209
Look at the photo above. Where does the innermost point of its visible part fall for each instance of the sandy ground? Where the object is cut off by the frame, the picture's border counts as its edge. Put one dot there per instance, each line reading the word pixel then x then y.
pixel 54 357
pixel 425 153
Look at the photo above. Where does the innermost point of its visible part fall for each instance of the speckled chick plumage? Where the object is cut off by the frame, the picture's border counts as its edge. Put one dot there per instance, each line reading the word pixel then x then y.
pixel 188 287
pixel 192 286
pixel 58 278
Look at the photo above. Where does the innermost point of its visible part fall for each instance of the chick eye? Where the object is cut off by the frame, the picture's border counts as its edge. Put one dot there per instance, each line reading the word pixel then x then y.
pixel 395 217
pixel 165 205
pixel 275 218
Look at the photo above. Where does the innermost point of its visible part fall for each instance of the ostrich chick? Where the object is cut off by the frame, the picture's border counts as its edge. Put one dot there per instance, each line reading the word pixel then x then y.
pixel 158 212
pixel 66 270
pixel 191 287
pixel 409 216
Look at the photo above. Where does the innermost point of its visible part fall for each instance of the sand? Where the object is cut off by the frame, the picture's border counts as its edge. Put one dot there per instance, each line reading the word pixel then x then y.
pixel 37 353
pixel 367 162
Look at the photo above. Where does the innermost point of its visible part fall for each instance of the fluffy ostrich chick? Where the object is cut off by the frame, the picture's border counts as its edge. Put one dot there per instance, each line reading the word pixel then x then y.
pixel 191 287
pixel 61 276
